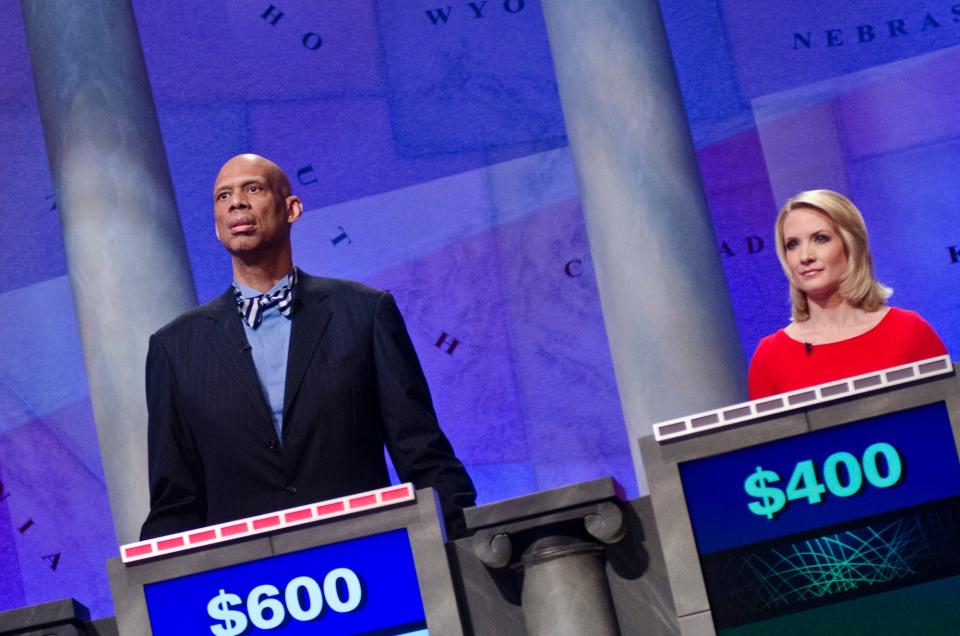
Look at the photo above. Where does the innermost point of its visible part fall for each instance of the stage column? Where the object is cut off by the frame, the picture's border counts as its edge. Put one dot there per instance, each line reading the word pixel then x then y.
pixel 556 541
pixel 125 251
pixel 669 321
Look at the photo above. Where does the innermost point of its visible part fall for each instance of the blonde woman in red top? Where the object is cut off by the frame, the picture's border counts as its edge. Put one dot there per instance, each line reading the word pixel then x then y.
pixel 841 324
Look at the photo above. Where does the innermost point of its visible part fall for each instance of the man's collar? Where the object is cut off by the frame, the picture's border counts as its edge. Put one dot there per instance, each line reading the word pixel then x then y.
pixel 250 292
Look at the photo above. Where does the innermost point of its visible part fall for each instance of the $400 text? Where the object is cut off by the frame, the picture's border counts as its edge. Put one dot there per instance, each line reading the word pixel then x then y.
pixel 805 484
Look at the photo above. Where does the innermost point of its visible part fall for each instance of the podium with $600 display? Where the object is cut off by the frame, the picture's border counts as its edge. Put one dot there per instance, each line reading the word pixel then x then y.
pixel 370 563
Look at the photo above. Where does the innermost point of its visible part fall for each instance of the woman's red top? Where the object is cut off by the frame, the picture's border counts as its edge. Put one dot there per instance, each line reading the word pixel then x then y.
pixel 782 364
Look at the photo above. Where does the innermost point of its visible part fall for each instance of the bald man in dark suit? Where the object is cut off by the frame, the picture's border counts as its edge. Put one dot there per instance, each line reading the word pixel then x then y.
pixel 284 390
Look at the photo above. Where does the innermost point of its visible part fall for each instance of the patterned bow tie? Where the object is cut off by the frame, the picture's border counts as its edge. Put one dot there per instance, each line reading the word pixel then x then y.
pixel 251 309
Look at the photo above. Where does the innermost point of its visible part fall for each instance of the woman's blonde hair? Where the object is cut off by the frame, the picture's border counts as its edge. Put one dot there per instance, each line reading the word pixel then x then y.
pixel 857 286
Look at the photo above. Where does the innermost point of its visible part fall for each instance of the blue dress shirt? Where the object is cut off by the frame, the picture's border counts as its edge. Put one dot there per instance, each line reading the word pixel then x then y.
pixel 269 344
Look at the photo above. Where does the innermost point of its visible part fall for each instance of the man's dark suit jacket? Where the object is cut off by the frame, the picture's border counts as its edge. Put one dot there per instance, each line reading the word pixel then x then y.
pixel 353 384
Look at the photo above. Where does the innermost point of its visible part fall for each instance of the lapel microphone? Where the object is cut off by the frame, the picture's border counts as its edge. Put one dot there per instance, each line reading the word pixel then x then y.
pixel 808 347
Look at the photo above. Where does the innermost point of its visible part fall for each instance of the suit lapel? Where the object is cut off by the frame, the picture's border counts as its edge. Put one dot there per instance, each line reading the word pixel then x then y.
pixel 312 312
pixel 230 342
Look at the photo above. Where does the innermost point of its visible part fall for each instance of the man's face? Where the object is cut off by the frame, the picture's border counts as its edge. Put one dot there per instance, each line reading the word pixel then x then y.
pixel 252 212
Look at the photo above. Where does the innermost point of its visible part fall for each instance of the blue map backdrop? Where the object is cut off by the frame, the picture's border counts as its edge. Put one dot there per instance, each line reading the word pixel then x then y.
pixel 427 142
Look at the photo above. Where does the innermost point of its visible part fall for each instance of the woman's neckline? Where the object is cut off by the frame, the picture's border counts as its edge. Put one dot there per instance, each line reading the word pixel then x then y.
pixel 886 313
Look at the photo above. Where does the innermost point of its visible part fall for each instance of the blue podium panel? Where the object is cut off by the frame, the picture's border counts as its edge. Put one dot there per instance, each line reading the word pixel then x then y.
pixel 365 585
pixel 826 477
pixel 827 517
pixel 831 516
pixel 373 563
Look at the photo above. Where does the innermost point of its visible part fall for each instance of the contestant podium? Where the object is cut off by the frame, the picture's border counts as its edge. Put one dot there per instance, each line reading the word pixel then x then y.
pixel 372 563
pixel 829 510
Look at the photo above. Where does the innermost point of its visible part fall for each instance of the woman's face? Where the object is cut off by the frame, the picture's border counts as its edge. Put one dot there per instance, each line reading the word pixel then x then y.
pixel 815 253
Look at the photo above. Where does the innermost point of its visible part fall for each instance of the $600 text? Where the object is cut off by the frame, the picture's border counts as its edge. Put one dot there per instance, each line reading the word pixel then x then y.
pixel 264 611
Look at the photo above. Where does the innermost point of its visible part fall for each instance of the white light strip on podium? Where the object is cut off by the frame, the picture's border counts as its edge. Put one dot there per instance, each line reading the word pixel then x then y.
pixel 230 530
pixel 737 414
